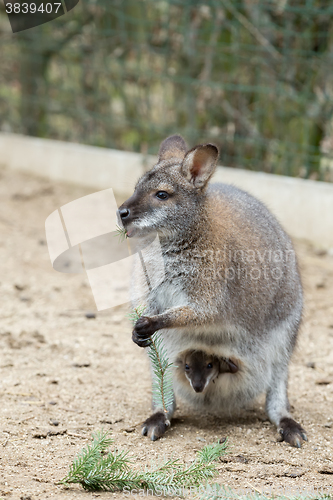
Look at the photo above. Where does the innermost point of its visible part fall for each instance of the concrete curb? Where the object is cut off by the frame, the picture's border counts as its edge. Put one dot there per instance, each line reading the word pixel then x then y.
pixel 74 163
pixel 304 207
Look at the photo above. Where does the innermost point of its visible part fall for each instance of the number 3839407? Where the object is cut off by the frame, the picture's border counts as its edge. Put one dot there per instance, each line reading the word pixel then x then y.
pixel 31 8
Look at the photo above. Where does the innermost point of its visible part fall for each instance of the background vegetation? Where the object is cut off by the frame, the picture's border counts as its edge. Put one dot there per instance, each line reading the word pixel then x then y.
pixel 253 76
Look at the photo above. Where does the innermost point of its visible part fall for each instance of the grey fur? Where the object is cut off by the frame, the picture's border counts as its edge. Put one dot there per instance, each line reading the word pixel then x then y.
pixel 231 289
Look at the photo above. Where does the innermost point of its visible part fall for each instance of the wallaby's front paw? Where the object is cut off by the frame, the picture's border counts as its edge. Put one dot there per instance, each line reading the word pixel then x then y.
pixel 145 326
pixel 155 426
pixel 292 432
pixel 143 329
pixel 146 342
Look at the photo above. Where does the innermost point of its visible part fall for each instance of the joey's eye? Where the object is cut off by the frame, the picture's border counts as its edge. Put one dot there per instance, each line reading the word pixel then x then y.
pixel 187 368
pixel 162 195
pixel 210 366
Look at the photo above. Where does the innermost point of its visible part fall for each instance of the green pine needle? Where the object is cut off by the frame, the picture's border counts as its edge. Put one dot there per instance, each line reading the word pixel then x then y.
pixel 121 233
pixel 136 313
pixel 212 452
pixel 95 470
pixel 162 384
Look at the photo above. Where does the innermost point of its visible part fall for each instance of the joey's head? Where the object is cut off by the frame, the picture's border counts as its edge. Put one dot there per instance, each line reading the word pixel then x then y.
pixel 167 199
pixel 200 369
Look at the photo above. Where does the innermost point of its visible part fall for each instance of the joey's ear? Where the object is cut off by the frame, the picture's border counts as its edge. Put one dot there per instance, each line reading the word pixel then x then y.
pixel 199 164
pixel 172 147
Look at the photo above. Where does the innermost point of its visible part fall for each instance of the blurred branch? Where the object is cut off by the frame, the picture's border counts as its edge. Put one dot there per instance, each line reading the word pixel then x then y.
pixel 238 116
pixel 252 29
pixel 68 37
pixel 211 46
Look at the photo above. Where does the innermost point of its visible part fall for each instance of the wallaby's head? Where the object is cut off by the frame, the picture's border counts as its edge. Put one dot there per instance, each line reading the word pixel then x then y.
pixel 168 197
pixel 200 369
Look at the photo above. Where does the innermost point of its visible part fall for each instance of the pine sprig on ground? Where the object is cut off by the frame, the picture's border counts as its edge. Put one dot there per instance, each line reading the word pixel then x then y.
pixel 90 455
pixel 95 470
pixel 213 452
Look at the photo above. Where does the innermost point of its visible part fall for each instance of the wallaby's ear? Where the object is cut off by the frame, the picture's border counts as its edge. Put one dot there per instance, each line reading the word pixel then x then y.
pixel 172 147
pixel 199 164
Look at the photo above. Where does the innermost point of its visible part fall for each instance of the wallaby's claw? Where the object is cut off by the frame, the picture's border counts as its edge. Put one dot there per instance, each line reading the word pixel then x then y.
pixel 292 432
pixel 155 426
pixel 304 436
pixel 141 333
pixel 145 342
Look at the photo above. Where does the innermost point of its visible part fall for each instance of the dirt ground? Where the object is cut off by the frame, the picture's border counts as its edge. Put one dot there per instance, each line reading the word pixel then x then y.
pixel 58 366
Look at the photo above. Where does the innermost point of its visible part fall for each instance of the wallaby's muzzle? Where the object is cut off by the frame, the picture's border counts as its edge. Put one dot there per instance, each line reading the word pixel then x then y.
pixel 124 213
pixel 198 387
pixel 127 213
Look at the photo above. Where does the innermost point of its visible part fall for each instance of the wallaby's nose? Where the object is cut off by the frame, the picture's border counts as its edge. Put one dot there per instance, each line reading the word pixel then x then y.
pixel 124 213
pixel 198 387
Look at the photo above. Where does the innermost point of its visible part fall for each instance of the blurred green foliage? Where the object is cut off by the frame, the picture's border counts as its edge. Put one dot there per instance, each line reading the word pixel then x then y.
pixel 253 76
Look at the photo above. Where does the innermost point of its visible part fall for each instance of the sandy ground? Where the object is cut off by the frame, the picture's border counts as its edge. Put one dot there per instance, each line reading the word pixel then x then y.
pixel 58 366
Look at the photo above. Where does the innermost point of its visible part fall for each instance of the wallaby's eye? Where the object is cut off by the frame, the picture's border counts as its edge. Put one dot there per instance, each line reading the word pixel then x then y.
pixel 210 366
pixel 162 195
pixel 187 367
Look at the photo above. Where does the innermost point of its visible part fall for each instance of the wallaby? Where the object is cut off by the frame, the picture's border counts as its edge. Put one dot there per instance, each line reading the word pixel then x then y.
pixel 231 286
pixel 200 369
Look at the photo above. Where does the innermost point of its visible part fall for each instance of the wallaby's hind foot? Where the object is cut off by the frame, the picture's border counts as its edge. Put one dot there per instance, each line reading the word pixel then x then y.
pixel 155 426
pixel 292 432
pixel 277 407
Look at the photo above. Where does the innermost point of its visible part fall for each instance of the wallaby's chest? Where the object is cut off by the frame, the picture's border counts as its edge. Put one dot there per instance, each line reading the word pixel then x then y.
pixel 168 294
